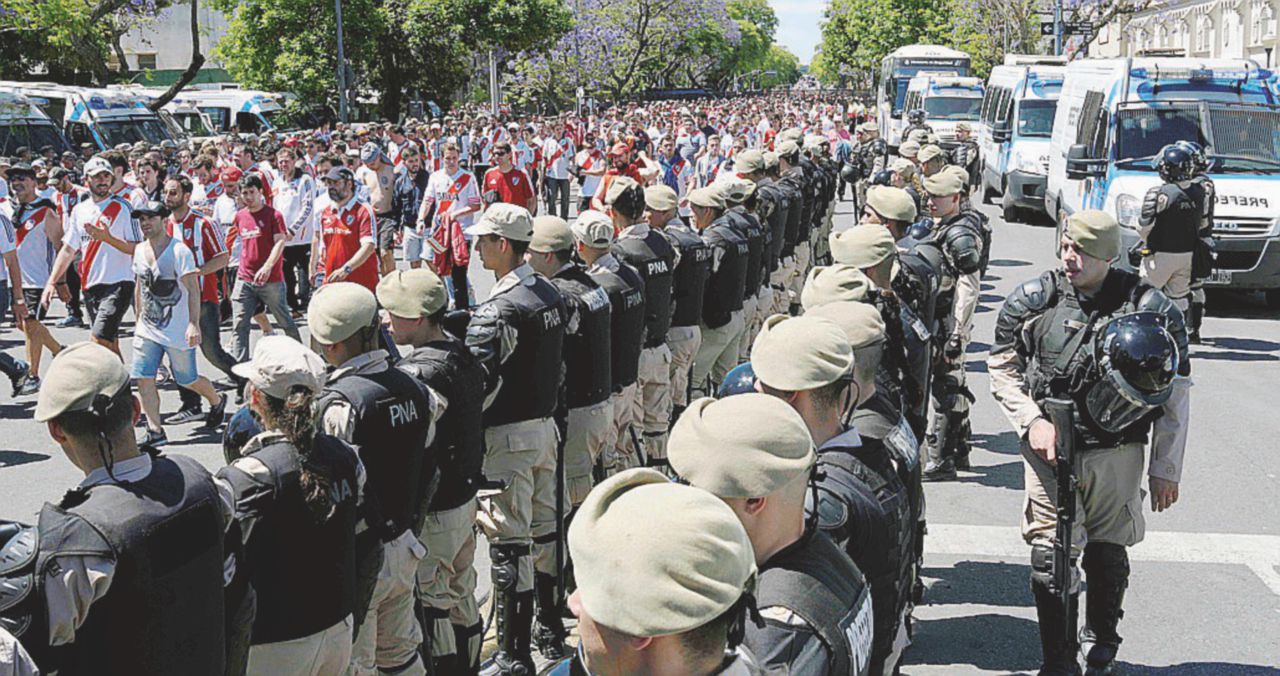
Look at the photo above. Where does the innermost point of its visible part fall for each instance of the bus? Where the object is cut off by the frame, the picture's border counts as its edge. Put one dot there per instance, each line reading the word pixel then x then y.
pixel 896 71
pixel 1013 136
pixel 105 118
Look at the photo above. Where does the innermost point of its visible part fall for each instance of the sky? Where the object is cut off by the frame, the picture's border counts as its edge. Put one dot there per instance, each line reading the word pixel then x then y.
pixel 798 25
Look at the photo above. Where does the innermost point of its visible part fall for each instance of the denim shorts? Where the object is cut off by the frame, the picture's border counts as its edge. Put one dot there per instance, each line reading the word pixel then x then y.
pixel 412 245
pixel 146 361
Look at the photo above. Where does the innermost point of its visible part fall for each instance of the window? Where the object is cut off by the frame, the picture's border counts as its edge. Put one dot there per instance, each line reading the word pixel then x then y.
pixel 146 61
pixel 1204 33
pixel 1087 121
pixel 1263 25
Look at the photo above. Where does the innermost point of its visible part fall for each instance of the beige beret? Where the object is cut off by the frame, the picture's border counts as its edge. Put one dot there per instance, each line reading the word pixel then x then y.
pixel 831 283
pixel 862 246
pixel 791 134
pixel 734 190
pixel 594 229
pixel 903 167
pixel 707 196
pixel 660 198
pixel 943 183
pixel 340 309
pixel 959 172
pixel 892 203
pixel 1096 233
pixel 908 149
pixel 930 152
pixel 861 322
pixel 617 186
pixel 745 446
pixel 963 126
pixel 412 293
pixel 920 136
pixel 748 161
pixel 787 148
pixel 653 557
pixel 867 127
pixel 551 233
pixel 770 160
pixel 79 373
pixel 800 353
pixel 505 220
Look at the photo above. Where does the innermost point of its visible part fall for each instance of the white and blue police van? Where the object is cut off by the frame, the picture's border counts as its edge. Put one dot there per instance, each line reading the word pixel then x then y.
pixel 1013 134
pixel 23 125
pixel 104 118
pixel 946 100
pixel 235 110
pixel 1115 115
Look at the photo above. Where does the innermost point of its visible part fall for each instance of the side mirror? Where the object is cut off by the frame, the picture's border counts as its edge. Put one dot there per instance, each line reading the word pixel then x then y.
pixel 1001 134
pixel 1080 166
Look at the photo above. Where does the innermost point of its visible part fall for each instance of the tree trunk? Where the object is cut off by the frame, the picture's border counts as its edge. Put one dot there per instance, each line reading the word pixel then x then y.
pixel 197 61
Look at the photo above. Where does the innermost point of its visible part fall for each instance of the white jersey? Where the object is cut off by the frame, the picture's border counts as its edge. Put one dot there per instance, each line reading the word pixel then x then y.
pixel 590 159
pixel 486 141
pixel 452 194
pixel 556 155
pixel 35 250
pixel 164 311
pixel 102 263
pixel 295 200
pixel 8 242
pixel 224 214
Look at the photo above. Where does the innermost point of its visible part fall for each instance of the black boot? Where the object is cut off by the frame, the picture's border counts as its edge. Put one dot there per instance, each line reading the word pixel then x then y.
pixel 960 439
pixel 468 640
pixel 549 633
pixel 1106 568
pixel 1057 645
pixel 1195 315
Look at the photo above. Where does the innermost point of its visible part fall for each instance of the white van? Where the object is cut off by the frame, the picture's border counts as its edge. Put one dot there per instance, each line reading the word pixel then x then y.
pixel 1115 115
pixel 946 100
pixel 1013 136
pixel 103 117
pixel 242 110
pixel 22 124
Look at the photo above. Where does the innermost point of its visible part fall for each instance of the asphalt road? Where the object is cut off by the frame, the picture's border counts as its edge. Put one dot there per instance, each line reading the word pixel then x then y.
pixel 1205 593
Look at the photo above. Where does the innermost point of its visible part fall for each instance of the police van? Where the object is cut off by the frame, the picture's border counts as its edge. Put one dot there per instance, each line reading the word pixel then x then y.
pixel 1013 135
pixel 102 117
pixel 22 124
pixel 896 71
pixel 1115 115
pixel 241 110
pixel 947 100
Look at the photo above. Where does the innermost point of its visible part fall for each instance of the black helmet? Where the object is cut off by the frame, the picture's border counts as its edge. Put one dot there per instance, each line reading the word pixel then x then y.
pixel 1137 360
pixel 882 177
pixel 741 380
pixel 921 229
pixel 879 147
pixel 1175 163
pixel 916 116
pixel 1199 159
pixel 242 427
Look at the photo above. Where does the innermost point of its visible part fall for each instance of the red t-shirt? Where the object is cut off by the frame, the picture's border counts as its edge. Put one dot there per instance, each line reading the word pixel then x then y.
pixel 200 235
pixel 511 187
pixel 343 229
pixel 257 231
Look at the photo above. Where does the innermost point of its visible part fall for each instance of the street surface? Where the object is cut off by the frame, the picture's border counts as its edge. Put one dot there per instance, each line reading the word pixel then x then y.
pixel 1204 597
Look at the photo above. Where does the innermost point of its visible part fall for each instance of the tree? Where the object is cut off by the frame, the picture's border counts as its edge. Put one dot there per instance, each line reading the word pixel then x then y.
pixel 197 61
pixel 784 65
pixel 72 40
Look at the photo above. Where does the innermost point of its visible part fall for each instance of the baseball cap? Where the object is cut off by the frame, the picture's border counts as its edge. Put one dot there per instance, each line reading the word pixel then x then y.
pixel 413 293
pixel 76 376
pixel 370 152
pixel 281 363
pixel 22 169
pixel 95 166
pixel 748 161
pixel 593 229
pixel 800 353
pixel 504 220
pixel 151 208
pixel 550 234
pixel 339 173
pixel 338 310
pixel 231 174
pixel 619 149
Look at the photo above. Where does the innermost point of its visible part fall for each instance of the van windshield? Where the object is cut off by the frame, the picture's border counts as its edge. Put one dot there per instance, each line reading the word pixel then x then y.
pixel 952 108
pixel 15 134
pixel 1035 118
pixel 132 130
pixel 1245 138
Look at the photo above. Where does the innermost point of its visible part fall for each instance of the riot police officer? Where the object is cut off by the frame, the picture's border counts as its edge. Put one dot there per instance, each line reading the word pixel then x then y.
pixel 296 500
pixel 1202 257
pixel 871 156
pixel 416 302
pixel 584 417
pixel 688 281
pixel 1169 224
pixel 916 121
pixel 958 236
pixel 798 221
pixel 518 336
pixel 593 233
pixel 689 569
pixel 770 209
pixel 739 198
pixel 966 153
pixel 96 600
pixel 787 218
pixel 932 159
pixel 654 258
pixel 1100 331
pixel 754 452
pixel 722 316
pixel 388 416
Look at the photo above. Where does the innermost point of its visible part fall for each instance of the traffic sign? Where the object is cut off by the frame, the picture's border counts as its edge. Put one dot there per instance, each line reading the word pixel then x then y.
pixel 1046 28
pixel 1068 28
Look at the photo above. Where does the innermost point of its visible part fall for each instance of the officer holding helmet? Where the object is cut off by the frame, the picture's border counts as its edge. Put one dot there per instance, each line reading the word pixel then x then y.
pixel 1116 346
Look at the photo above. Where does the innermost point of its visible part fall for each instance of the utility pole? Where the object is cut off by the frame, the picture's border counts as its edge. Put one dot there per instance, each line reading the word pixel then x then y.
pixel 493 84
pixel 342 66
pixel 1057 27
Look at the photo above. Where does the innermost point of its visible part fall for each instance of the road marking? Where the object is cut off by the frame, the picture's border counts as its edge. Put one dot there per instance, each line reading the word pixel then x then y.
pixel 1258 553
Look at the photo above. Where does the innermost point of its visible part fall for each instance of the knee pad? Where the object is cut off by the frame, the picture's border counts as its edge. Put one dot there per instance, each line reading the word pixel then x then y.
pixel 1042 566
pixel 506 565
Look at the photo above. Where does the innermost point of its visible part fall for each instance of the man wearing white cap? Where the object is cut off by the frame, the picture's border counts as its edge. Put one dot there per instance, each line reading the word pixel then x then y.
pixel 664 572
pixel 518 335
pixel 754 452
pixel 723 322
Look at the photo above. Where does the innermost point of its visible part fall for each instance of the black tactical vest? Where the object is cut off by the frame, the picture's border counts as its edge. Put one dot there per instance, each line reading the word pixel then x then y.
pixel 1177 223
pixel 689 280
pixel 723 294
pixel 587 350
pixel 164 611
pixel 812 196
pixel 303 570
pixel 776 222
pixel 449 368
pixel 392 420
pixel 815 580
pixel 797 217
pixel 626 298
pixel 531 374
pixel 654 258
pixel 749 227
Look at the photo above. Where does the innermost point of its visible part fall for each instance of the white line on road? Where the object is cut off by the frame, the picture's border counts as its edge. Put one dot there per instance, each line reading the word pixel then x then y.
pixel 1259 553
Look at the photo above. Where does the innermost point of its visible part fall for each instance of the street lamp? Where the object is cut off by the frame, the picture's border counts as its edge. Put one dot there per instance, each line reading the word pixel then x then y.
pixel 342 66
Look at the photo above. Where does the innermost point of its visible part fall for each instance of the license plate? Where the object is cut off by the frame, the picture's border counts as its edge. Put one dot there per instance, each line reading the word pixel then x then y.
pixel 1220 277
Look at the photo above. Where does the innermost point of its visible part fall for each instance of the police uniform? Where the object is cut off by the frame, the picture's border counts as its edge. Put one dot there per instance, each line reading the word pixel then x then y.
pixel 772 219
pixel 1039 322
pixel 1202 258
pixel 781 250
pixel 736 192
pixel 1170 223
pixel 446 575
pixel 90 591
pixel 722 316
pixel 625 288
pixel 367 403
pixel 814 601
pixel 518 336
pixel 688 282
pixel 657 559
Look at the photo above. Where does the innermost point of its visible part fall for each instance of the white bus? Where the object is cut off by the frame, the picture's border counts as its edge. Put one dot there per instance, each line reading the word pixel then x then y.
pixel 104 117
pixel 1013 136
pixel 897 69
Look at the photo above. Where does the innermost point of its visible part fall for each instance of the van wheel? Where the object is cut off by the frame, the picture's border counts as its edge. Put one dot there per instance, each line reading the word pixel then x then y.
pixel 987 191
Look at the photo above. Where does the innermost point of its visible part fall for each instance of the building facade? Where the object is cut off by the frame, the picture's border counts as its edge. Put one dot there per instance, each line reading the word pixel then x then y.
pixel 1204 28
pixel 161 50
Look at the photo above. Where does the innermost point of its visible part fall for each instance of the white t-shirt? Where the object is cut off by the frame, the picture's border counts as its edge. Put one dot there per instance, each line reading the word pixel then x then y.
pixel 467 195
pixel 224 214
pixel 590 159
pixel 163 311
pixel 35 252
pixel 101 262
pixel 295 199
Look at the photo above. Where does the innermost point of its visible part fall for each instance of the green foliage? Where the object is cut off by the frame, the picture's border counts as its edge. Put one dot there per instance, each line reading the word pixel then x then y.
pixel 783 63
pixel 70 39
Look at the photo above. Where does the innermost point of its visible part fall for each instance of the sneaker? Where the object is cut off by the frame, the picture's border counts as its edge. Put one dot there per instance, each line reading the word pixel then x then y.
pixel 940 471
pixel 213 419
pixel 30 385
pixel 154 439
pixel 19 379
pixel 71 322
pixel 185 415
pixel 162 374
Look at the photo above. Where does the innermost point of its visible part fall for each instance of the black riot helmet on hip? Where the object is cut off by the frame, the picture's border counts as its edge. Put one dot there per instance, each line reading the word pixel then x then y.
pixel 740 380
pixel 882 177
pixel 1175 163
pixel 1137 360
pixel 916 116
